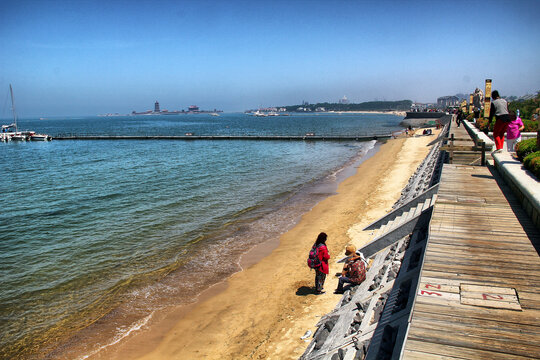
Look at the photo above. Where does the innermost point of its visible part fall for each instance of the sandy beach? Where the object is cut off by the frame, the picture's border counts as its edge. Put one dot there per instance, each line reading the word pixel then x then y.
pixel 262 311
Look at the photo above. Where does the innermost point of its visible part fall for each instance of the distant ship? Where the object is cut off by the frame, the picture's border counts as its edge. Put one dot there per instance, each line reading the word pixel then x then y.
pixel 192 109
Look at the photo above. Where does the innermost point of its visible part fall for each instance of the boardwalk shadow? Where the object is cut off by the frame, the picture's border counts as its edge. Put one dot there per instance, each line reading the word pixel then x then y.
pixel 305 290
pixel 532 231
pixel 483 176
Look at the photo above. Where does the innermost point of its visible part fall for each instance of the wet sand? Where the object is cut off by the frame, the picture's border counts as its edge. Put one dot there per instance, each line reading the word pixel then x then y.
pixel 261 312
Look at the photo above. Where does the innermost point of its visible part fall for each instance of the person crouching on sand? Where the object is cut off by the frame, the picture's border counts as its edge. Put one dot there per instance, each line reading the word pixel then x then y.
pixel 322 270
pixel 354 270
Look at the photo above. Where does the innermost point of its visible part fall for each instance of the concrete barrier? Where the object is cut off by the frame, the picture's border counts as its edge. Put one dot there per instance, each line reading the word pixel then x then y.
pixel 478 135
pixel 522 182
pixel 528 135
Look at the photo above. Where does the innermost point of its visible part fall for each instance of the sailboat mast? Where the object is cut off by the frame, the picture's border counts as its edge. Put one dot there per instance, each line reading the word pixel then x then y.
pixel 13 107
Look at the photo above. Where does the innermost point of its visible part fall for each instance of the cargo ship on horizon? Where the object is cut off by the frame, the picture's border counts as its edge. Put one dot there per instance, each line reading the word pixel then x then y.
pixel 192 109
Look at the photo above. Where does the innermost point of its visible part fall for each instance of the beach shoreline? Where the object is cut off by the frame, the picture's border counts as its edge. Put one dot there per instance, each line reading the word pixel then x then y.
pixel 234 319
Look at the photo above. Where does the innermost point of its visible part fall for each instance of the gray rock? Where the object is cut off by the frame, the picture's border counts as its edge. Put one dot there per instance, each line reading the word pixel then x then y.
pixel 377 314
pixel 329 325
pixel 360 353
pixel 358 317
pixel 321 337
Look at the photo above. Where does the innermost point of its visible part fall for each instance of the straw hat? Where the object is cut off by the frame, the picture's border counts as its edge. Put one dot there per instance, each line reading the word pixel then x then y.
pixel 350 249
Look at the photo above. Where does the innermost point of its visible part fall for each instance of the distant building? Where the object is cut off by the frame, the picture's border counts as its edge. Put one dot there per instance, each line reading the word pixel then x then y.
pixel 193 108
pixel 344 100
pixel 418 107
pixel 156 107
pixel 446 101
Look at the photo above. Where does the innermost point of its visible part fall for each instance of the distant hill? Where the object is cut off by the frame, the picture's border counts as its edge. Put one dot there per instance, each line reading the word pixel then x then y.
pixel 401 105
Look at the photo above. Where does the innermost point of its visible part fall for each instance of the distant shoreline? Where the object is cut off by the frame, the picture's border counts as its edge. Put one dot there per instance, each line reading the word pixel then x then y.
pixel 391 112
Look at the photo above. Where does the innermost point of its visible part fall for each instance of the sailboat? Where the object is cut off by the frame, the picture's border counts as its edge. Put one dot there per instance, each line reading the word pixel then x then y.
pixel 15 136
pixel 18 135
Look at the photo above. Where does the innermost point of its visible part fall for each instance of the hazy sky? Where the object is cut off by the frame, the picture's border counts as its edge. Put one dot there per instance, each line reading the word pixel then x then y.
pixel 92 57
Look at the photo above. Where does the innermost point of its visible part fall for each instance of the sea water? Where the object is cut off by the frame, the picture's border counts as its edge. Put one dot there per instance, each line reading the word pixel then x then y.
pixel 95 236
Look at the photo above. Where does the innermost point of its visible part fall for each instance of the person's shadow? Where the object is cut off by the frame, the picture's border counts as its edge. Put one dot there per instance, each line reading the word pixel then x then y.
pixel 305 290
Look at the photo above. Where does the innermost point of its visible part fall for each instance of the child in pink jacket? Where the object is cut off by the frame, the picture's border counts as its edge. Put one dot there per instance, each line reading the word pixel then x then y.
pixel 513 134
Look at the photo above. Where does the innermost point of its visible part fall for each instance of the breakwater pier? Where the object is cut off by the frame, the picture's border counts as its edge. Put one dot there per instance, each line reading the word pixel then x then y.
pixel 229 137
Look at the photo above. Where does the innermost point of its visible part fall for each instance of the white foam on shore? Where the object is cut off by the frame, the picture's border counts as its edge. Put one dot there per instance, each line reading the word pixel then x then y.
pixel 122 333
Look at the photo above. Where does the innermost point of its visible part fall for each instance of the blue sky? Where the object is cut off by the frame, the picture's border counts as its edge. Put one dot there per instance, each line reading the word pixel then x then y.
pixel 93 57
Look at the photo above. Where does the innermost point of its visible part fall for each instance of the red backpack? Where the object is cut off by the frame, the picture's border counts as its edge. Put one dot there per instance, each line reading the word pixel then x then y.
pixel 313 260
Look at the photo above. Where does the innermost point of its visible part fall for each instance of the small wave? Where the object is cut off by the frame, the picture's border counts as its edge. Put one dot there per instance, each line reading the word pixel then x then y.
pixel 122 333
pixel 364 149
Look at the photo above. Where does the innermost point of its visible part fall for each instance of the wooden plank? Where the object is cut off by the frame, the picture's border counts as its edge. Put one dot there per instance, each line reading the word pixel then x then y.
pixel 498 278
pixel 436 286
pixel 438 300
pixel 480 240
pixel 524 282
pixel 506 318
pixel 462 244
pixel 456 148
pixel 470 318
pixel 531 295
pixel 495 303
pixel 479 331
pixel 454 338
pixel 451 352
pixel 505 272
pixel 489 295
pixel 487 264
pixel 445 248
pixel 479 289
pixel 440 280
pixel 528 303
pixel 417 355
pixel 432 293
pixel 466 255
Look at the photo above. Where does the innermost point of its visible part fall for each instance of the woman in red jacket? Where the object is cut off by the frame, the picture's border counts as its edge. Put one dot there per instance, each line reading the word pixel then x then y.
pixel 324 256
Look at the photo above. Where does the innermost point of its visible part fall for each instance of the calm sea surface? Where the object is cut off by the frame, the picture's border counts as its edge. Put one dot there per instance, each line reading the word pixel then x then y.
pixel 95 236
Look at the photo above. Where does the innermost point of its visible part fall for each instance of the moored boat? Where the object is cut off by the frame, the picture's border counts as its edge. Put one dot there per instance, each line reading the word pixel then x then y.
pixel 18 136
pixel 31 135
pixel 9 135
pixel 40 137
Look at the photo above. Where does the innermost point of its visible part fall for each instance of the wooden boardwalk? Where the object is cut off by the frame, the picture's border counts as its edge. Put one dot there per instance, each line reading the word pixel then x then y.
pixel 479 292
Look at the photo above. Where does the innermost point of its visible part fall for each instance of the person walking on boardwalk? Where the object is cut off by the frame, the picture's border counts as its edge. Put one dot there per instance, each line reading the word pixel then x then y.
pixel 499 110
pixel 318 260
pixel 513 133
pixel 459 117
pixel 354 271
